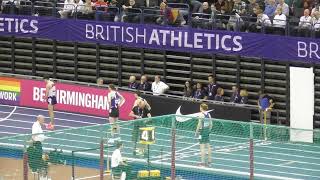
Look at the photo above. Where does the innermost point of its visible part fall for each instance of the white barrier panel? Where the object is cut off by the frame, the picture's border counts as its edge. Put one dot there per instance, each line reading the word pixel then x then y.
pixel 301 104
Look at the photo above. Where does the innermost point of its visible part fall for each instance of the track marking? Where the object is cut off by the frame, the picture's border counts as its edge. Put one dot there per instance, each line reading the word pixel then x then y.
pixel 62 119
pixel 287 163
pixel 6 118
pixel 96 117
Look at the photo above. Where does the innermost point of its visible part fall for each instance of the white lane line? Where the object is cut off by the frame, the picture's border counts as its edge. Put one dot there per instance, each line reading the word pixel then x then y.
pixel 6 118
pixel 75 114
pixel 287 163
pixel 70 120
pixel 4 132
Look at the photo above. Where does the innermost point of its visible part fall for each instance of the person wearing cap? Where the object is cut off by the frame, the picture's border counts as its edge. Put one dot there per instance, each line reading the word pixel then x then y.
pixel 119 165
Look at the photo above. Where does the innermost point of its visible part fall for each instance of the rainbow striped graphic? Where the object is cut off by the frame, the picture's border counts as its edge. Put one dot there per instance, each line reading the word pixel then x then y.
pixel 9 91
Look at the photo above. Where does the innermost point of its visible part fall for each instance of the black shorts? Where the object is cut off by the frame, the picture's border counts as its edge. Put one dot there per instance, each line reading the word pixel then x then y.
pixel 114 113
pixel 52 100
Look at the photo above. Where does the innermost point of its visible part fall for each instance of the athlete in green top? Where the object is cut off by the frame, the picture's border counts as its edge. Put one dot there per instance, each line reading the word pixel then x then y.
pixel 203 131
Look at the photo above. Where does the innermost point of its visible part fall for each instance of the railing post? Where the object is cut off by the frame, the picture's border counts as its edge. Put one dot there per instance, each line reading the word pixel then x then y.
pixel 173 148
pixel 251 153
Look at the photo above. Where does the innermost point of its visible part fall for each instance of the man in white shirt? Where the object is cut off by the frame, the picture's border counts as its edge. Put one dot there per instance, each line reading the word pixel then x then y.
pixel 279 20
pixel 158 87
pixel 305 24
pixel 118 166
pixel 37 132
pixel 305 20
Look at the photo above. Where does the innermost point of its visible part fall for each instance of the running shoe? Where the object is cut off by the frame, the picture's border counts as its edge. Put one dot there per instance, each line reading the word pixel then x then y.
pixel 50 126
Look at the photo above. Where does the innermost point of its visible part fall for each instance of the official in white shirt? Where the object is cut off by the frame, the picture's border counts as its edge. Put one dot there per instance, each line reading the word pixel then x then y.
pixel 305 20
pixel 37 131
pixel 118 165
pixel 158 87
pixel 279 20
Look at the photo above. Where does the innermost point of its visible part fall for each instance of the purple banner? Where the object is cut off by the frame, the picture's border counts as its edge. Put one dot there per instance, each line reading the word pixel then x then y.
pixel 164 38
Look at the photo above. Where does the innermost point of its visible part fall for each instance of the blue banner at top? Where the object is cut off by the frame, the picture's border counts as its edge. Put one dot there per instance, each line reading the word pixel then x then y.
pixel 163 38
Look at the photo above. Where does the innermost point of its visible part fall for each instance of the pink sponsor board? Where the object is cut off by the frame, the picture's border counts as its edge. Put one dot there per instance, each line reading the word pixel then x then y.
pixel 74 98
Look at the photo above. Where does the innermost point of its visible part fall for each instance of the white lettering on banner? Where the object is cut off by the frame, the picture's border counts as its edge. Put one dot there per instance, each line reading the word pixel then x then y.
pixel 236 41
pixel 176 38
pixel 36 94
pixel 197 40
pixel 302 48
pixel 154 37
pixel 223 44
pixel 115 32
pixel 10 96
pixel 209 36
pixel 72 98
pixel 186 44
pixel 141 35
pixel 99 31
pixel 18 25
pixel 129 34
pixel 89 31
pixel 162 37
pixel 310 50
pixel 314 47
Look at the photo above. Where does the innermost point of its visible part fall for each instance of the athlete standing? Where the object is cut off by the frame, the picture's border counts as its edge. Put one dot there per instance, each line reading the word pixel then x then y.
pixel 115 100
pixel 51 100
pixel 203 132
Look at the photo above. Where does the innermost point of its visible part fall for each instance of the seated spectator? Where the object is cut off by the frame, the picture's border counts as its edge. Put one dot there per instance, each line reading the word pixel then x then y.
pixel 78 6
pixel 188 90
pixel 151 3
pixel 270 8
pixel 172 16
pixel 100 82
pixel 305 24
pixel 206 8
pixel 159 87
pixel 284 7
pixel 203 20
pixel 249 8
pixel 199 93
pixel 279 20
pixel 305 20
pixel 219 5
pixel 144 85
pixel 131 12
pixel 279 23
pixel 219 95
pixel 100 3
pixel 316 8
pixel 228 7
pixel 239 9
pixel 67 9
pixel 316 22
pixel 262 21
pixel 211 88
pixel 132 83
pixel 244 96
pixel 87 9
pixel 235 97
